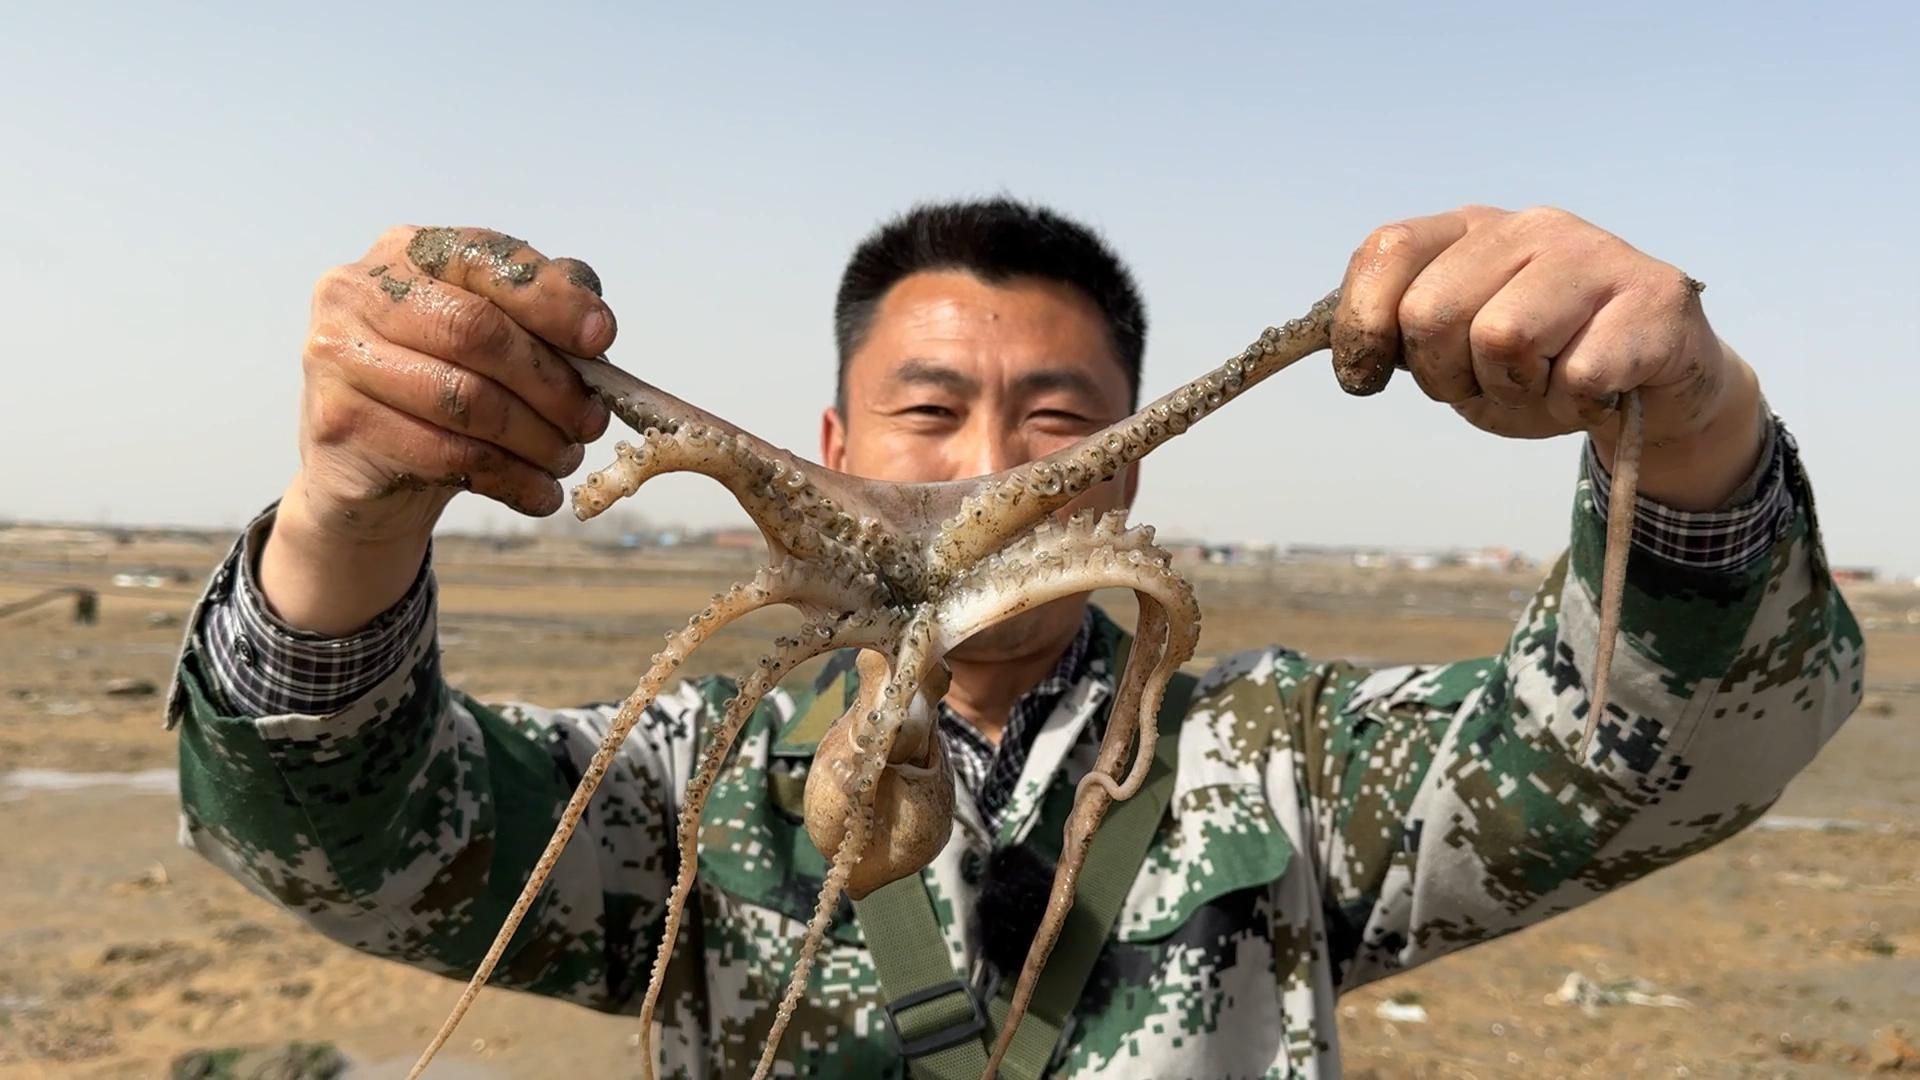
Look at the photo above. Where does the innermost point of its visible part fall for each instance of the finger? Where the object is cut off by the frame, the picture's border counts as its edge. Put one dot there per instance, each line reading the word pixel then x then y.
pixel 1506 421
pixel 419 454
pixel 1366 331
pixel 458 399
pixel 1615 351
pixel 448 322
pixel 1519 330
pixel 557 301
pixel 1440 306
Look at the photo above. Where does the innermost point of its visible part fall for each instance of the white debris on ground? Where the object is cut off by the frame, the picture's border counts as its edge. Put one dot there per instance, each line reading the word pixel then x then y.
pixel 1401 1012
pixel 1790 823
pixel 1579 990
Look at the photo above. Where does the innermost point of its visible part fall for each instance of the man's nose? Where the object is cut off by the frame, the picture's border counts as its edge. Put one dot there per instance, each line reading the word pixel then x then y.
pixel 995 449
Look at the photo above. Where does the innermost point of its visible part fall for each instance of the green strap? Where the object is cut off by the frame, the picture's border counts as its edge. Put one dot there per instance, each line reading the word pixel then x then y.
pixel 933 1011
pixel 1113 862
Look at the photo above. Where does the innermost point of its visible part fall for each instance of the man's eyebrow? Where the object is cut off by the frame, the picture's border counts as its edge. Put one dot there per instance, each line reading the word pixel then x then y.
pixel 1069 379
pixel 919 371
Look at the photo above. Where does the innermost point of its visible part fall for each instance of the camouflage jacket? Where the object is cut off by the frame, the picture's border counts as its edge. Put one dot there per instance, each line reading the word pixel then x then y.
pixel 1330 824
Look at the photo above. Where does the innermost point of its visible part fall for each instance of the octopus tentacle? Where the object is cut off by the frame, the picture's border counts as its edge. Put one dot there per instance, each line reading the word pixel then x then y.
pixel 941 529
pixel 1150 638
pixel 878 715
pixel 1003 505
pixel 791 512
pixel 1613 571
pixel 1056 561
pixel 1134 711
pixel 816 637
pixel 1046 564
pixel 837 873
pixel 788 582
pixel 1091 798
pixel 801 508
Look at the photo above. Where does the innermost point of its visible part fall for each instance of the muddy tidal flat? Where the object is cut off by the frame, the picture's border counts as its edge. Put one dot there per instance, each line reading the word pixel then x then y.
pixel 1791 950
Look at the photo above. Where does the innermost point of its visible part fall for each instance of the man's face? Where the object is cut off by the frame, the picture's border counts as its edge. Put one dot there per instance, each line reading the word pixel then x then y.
pixel 958 378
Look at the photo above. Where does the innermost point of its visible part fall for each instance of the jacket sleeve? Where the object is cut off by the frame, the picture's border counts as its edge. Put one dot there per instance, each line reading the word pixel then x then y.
pixel 1448 805
pixel 402 817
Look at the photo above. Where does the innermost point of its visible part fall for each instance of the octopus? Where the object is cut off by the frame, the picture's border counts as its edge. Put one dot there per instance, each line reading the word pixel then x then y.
pixel 904 573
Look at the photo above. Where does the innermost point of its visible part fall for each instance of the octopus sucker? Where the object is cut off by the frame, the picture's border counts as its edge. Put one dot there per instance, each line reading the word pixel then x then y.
pixel 904 573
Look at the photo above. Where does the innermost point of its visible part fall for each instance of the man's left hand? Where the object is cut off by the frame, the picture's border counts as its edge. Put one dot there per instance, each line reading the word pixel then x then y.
pixel 1534 323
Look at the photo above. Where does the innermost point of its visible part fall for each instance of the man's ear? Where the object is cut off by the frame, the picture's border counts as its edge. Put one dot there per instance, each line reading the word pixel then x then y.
pixel 833 438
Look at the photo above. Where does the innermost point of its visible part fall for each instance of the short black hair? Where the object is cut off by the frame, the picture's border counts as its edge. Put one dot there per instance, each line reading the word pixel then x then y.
pixel 995 240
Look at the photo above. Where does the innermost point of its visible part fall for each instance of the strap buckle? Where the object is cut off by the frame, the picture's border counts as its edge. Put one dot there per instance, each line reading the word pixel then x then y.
pixel 952 1035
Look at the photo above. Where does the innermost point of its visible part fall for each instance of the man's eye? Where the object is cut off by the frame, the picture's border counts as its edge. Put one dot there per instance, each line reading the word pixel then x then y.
pixel 939 411
pixel 1061 418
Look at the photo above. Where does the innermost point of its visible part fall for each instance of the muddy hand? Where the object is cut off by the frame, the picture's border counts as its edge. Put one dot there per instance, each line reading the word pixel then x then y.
pixel 1535 323
pixel 432 366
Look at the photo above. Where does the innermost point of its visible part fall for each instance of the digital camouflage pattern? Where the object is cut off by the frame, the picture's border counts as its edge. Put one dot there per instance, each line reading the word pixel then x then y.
pixel 1330 824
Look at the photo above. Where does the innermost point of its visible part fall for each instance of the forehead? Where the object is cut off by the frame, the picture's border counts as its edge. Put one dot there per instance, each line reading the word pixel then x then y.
pixel 955 318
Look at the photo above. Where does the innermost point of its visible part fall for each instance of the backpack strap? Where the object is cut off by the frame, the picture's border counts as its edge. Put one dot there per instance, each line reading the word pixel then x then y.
pixel 1113 862
pixel 938 1021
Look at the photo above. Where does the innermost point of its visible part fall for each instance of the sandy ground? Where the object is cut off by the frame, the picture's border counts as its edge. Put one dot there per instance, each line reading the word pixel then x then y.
pixel 1791 950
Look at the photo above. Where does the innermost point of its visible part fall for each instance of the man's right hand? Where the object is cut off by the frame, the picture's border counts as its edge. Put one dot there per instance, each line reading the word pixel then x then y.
pixel 432 366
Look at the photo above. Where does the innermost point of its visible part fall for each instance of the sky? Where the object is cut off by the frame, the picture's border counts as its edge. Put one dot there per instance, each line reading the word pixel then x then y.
pixel 173 183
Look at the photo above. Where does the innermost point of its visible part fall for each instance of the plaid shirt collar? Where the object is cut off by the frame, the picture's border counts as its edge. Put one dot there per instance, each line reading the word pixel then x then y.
pixel 992 772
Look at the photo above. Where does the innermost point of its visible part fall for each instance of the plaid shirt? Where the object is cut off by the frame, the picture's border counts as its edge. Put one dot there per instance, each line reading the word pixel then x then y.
pixel 265 667
pixel 1731 538
pixel 991 773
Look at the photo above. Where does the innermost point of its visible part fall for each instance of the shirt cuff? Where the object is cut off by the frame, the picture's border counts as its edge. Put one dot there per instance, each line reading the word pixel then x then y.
pixel 265 667
pixel 1731 538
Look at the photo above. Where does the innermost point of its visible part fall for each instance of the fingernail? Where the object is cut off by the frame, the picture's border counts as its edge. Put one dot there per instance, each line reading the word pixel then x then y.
pixel 581 274
pixel 571 460
pixel 593 331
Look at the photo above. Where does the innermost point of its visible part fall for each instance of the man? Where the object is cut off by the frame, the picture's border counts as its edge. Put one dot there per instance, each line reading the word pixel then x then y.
pixel 1329 824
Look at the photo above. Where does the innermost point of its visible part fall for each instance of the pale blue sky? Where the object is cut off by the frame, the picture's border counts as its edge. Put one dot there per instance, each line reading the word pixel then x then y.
pixel 172 183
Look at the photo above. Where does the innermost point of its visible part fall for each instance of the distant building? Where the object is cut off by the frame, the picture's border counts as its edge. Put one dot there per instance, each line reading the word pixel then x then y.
pixel 736 538
pixel 1488 558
